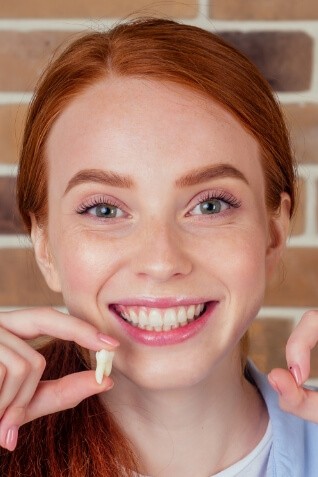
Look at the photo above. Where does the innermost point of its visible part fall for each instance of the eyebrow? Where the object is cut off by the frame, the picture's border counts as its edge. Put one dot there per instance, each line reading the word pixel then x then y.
pixel 101 177
pixel 197 176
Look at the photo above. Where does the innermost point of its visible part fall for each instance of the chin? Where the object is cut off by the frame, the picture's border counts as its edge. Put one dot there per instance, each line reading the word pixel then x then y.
pixel 175 371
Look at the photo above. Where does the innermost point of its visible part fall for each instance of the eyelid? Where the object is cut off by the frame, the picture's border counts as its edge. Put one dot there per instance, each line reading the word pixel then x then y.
pixel 96 200
pixel 219 194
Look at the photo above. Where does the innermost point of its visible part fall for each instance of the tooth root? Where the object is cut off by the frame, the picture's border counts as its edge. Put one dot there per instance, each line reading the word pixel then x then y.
pixel 104 361
pixel 99 374
pixel 109 363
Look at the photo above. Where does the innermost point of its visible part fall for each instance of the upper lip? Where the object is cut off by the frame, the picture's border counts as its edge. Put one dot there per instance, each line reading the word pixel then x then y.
pixel 161 302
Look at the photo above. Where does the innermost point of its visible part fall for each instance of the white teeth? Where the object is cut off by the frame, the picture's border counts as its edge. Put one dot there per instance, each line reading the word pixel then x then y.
pixel 169 318
pixel 182 315
pixel 160 319
pixel 155 318
pixel 104 361
pixel 142 319
pixel 190 312
pixel 198 309
pixel 134 317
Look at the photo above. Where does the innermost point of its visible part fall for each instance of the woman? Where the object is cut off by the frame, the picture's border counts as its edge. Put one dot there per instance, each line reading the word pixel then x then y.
pixel 157 183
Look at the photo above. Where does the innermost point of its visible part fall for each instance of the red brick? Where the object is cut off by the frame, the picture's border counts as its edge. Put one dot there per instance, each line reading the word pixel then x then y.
pixel 21 283
pixel 295 283
pixel 264 9
pixel 317 206
pixel 268 338
pixel 10 222
pixel 12 117
pixel 298 221
pixel 302 120
pixel 284 58
pixel 23 56
pixel 95 8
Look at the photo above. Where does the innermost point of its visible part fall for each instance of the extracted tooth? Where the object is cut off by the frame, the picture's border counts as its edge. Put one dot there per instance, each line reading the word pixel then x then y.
pixel 104 361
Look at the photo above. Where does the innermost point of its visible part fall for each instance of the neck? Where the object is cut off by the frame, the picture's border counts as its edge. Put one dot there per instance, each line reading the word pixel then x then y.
pixel 226 416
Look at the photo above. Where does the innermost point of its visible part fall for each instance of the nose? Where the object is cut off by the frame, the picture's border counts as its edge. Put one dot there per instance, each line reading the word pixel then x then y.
pixel 162 253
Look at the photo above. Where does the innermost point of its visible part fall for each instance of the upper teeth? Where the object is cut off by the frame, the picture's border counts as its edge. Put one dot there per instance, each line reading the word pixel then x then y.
pixel 159 319
pixel 104 361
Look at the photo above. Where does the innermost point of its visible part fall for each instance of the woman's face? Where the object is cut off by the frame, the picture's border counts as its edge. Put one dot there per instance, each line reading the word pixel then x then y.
pixel 156 211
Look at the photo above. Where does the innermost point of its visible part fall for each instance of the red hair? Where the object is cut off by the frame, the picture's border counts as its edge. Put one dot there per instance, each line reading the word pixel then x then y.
pixel 85 441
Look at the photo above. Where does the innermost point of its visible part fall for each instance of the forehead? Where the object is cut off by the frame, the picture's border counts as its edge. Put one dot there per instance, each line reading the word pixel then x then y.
pixel 120 122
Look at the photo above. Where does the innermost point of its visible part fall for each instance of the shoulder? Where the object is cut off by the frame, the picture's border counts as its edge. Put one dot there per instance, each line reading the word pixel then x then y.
pixel 295 441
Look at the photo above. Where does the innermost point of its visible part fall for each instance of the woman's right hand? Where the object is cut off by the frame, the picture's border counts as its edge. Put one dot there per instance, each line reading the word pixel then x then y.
pixel 23 397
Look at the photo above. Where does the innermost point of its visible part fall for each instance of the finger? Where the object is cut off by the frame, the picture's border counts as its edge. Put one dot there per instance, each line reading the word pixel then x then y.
pixel 17 356
pixel 292 398
pixel 50 397
pixel 35 322
pixel 3 371
pixel 26 392
pixel 16 371
pixel 64 393
pixel 22 384
pixel 302 340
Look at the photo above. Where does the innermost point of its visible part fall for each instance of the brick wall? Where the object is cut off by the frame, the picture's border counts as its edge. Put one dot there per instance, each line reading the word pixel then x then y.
pixel 280 36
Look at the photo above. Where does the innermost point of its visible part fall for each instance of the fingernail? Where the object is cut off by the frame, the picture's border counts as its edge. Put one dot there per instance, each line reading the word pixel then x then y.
pixel 275 385
pixel 295 371
pixel 108 340
pixel 110 385
pixel 12 438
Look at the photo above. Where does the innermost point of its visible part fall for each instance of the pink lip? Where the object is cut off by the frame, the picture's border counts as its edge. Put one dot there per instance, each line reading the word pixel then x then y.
pixel 163 338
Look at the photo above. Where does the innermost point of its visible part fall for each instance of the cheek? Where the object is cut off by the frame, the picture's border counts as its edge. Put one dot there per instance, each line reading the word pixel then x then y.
pixel 239 254
pixel 241 267
pixel 84 266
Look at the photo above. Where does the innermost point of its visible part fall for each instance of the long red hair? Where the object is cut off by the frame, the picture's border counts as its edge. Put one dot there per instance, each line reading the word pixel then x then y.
pixel 86 441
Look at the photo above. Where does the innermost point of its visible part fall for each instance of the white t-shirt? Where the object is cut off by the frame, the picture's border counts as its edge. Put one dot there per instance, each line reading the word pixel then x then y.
pixel 255 463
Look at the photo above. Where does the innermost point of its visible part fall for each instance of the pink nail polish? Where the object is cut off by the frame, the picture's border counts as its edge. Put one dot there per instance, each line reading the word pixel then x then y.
pixel 12 438
pixel 108 340
pixel 295 371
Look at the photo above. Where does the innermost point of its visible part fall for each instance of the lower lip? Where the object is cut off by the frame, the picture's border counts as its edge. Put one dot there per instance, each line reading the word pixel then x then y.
pixel 164 338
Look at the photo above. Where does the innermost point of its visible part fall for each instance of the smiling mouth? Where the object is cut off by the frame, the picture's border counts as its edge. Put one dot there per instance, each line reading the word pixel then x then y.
pixel 159 319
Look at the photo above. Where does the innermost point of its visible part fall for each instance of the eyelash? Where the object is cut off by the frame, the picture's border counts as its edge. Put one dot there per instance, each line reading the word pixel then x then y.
pixel 220 195
pixel 205 196
pixel 94 202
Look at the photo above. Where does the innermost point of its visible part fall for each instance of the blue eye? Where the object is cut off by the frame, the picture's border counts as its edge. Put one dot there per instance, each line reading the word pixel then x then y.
pixel 105 210
pixel 213 203
pixel 211 206
pixel 101 209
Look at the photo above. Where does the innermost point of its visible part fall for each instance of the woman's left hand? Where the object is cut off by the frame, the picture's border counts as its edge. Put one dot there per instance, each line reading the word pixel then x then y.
pixel 293 397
